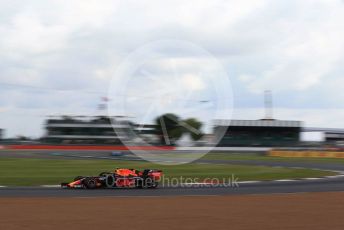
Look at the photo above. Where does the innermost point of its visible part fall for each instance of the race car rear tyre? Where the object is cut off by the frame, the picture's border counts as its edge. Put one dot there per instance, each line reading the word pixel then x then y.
pixel 110 181
pixel 104 173
pixel 90 183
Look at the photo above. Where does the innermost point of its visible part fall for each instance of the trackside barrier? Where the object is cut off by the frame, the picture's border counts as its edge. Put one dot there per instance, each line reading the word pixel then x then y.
pixel 306 153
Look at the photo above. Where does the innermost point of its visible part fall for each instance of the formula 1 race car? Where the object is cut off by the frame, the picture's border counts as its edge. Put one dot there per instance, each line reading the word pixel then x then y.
pixel 119 178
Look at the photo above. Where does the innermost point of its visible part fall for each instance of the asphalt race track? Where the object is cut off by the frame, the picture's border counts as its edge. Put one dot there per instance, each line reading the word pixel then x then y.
pixel 324 185
pixel 330 184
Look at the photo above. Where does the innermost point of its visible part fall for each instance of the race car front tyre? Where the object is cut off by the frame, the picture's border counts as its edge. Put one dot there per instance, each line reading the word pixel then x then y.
pixel 90 183
pixel 150 183
pixel 154 185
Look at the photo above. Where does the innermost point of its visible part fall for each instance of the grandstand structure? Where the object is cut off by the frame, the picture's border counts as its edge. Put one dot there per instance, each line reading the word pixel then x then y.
pixel 82 130
pixel 334 137
pixel 265 132
pixel 92 130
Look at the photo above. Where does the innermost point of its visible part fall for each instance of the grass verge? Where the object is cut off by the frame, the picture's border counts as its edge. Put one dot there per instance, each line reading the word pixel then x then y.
pixel 27 172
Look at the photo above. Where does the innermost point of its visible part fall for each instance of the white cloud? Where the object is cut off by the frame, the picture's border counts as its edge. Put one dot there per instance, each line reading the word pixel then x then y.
pixel 26 33
pixel 310 46
pixel 193 82
pixel 291 47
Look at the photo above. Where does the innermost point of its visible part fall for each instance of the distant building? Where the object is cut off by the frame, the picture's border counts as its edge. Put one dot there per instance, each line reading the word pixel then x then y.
pixel 91 130
pixel 266 132
pixel 334 137
pixel 82 130
pixel 331 136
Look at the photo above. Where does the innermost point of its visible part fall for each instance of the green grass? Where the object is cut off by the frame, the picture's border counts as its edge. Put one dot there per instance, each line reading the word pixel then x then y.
pixel 253 156
pixel 25 172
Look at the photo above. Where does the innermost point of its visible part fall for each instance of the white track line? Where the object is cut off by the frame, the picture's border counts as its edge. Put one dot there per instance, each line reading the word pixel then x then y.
pixel 200 184
pixel 285 180
pixel 50 186
pixel 249 182
pixel 337 176
pixel 312 178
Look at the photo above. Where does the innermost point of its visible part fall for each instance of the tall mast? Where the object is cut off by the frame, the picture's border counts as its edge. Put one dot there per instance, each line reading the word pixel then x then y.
pixel 268 104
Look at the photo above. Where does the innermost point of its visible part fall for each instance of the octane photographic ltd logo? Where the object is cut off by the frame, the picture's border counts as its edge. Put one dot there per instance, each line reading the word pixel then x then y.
pixel 168 93
pixel 177 182
pixel 210 182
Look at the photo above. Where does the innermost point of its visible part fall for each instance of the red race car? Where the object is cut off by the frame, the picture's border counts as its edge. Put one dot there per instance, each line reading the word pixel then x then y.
pixel 119 178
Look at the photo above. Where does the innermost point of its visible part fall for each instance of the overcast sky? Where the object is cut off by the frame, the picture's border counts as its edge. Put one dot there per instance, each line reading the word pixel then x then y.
pixel 59 57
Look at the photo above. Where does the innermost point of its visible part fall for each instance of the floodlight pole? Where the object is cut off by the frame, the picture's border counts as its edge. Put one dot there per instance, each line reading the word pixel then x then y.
pixel 268 104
